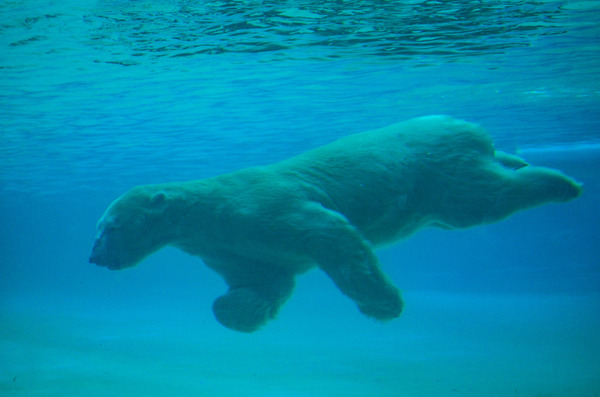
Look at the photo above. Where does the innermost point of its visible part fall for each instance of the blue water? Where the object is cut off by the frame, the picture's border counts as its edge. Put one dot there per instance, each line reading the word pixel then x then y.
pixel 99 96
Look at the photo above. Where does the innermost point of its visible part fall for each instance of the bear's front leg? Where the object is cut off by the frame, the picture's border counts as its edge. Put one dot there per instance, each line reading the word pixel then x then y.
pixel 347 258
pixel 252 301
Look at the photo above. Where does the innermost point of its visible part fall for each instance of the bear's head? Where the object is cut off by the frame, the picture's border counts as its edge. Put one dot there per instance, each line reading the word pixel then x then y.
pixel 133 227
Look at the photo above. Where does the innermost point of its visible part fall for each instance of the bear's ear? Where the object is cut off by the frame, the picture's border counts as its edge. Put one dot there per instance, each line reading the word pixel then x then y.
pixel 159 200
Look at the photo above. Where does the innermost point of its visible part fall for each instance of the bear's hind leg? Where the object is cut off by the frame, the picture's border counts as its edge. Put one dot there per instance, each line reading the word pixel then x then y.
pixel 248 306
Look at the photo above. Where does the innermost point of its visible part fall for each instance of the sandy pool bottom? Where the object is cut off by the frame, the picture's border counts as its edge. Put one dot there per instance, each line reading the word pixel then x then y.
pixel 443 345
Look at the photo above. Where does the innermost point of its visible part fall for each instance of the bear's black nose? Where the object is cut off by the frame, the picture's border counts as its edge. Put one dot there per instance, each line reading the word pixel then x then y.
pixel 94 255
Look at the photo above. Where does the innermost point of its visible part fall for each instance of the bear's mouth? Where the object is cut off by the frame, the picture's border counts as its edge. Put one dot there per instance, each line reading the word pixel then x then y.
pixel 106 254
pixel 100 257
pixel 104 262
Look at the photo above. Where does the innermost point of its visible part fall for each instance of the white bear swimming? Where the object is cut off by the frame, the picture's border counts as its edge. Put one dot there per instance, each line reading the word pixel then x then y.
pixel 260 227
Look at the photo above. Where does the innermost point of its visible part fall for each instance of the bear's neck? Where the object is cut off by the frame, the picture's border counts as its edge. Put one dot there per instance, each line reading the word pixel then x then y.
pixel 192 209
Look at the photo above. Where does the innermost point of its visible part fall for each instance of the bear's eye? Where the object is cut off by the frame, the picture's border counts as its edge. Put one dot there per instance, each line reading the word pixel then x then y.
pixel 109 225
pixel 105 221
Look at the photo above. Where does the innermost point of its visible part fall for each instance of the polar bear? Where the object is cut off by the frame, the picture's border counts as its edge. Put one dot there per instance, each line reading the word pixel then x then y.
pixel 327 208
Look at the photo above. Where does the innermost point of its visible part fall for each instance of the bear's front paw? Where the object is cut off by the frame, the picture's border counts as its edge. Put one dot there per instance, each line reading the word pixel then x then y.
pixel 243 310
pixel 387 306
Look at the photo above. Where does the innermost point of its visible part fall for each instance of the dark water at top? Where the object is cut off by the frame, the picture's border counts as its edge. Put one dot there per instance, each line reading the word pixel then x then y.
pixel 180 90
pixel 321 30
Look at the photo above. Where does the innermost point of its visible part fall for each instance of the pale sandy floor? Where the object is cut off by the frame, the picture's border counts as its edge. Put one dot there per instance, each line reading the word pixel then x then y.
pixel 443 345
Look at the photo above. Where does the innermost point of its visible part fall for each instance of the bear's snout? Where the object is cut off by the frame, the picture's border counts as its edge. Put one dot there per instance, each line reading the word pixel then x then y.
pixel 99 255
pixel 95 256
pixel 107 252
